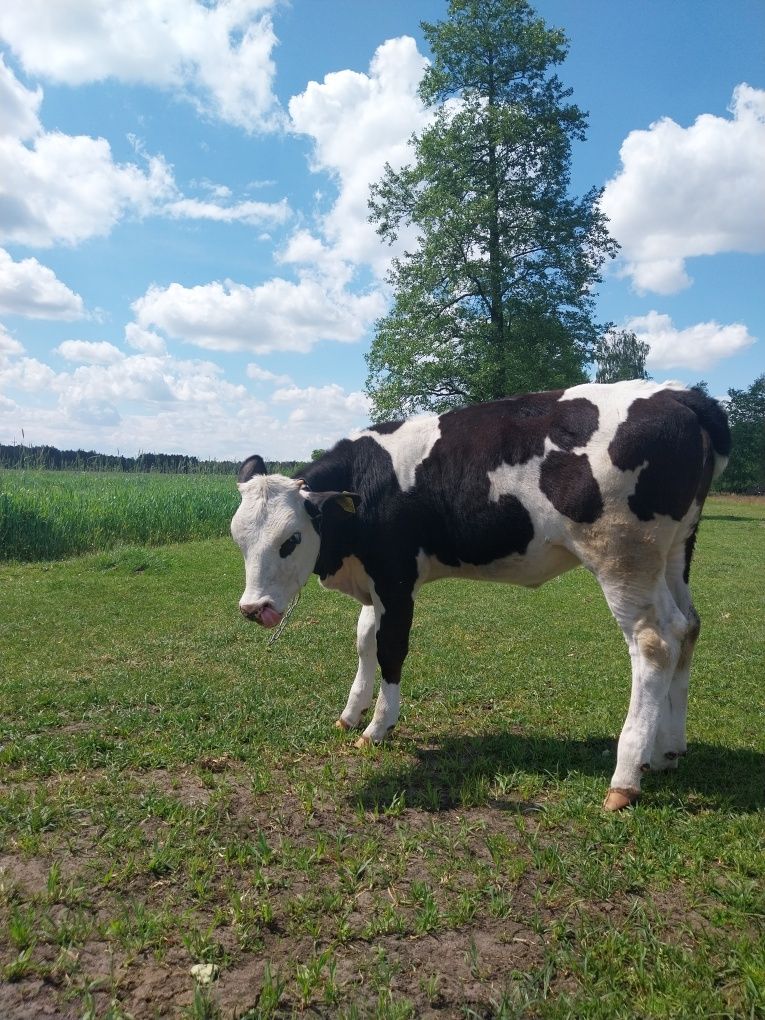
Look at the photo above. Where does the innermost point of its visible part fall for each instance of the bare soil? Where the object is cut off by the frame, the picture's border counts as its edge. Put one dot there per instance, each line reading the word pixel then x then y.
pixel 441 972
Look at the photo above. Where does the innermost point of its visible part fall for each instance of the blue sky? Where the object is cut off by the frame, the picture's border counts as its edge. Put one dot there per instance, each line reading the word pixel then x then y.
pixel 185 263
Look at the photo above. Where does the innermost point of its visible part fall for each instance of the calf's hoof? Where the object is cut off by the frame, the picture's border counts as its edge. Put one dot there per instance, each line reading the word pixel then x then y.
pixel 365 741
pixel 617 799
pixel 341 724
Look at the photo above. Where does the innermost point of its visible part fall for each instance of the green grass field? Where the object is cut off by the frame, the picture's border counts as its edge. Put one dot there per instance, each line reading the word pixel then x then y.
pixel 173 794
pixel 47 515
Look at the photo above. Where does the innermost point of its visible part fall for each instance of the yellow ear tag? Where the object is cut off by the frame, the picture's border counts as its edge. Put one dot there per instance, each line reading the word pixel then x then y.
pixel 347 504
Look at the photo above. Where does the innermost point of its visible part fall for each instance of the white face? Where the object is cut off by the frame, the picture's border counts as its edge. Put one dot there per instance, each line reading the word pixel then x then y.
pixel 279 543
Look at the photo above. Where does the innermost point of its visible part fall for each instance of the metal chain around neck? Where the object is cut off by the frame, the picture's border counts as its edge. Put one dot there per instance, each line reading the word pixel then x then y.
pixel 284 619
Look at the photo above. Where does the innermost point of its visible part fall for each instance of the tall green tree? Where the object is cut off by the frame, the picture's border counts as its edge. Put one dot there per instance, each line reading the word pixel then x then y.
pixel 619 354
pixel 496 296
pixel 746 413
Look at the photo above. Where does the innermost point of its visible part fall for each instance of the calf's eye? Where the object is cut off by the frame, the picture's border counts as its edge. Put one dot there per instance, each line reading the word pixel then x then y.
pixel 290 545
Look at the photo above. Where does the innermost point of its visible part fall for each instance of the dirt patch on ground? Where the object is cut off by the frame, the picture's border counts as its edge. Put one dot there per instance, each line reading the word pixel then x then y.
pixel 304 896
pixel 94 979
pixel 336 907
pixel 472 966
pixel 188 787
pixel 19 875
pixel 35 998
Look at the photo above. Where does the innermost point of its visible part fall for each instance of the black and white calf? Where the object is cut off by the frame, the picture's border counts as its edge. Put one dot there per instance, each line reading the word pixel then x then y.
pixel 519 490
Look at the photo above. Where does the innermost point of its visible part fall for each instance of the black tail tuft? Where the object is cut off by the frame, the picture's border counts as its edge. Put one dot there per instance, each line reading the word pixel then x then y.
pixel 690 544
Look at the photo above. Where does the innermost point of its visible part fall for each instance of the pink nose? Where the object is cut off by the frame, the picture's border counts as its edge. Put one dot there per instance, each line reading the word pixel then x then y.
pixel 261 612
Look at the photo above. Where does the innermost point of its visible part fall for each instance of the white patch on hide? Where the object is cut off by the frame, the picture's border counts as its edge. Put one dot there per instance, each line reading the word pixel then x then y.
pixel 519 480
pixel 351 579
pixel 408 446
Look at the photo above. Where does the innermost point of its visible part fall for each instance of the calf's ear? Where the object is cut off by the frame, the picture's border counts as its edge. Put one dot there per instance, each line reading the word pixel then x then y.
pixel 252 466
pixel 322 501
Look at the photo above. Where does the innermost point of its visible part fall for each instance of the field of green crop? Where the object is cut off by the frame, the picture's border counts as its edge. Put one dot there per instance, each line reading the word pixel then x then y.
pixel 47 515
pixel 173 794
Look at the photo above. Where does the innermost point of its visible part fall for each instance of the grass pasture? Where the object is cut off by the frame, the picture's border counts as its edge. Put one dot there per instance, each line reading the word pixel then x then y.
pixel 172 793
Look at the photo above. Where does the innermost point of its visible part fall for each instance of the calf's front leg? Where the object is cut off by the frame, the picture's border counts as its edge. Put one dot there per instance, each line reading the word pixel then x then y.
pixel 395 619
pixel 362 689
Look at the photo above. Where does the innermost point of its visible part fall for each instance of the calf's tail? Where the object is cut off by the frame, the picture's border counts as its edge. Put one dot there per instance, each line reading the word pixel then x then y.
pixel 713 420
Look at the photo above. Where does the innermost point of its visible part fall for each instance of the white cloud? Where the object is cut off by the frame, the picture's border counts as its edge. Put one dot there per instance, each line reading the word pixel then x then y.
pixel 8 344
pixel 19 106
pixel 143 339
pixel 161 403
pixel 89 352
pixel 697 347
pixel 253 213
pixel 218 55
pixel 330 396
pixel 105 374
pixel 110 386
pixel 140 377
pixel 93 413
pixel 276 316
pixel 216 190
pixel 314 258
pixel 327 412
pixel 685 192
pixel 358 122
pixel 30 289
pixel 66 188
pixel 26 374
pixel 259 374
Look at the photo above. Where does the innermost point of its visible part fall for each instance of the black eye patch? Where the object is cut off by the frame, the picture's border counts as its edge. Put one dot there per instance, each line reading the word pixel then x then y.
pixel 290 545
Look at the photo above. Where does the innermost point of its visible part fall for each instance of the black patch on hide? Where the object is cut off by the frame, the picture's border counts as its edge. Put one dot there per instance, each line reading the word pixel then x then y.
pixel 567 481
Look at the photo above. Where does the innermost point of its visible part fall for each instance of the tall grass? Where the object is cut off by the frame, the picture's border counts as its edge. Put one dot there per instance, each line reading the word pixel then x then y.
pixel 48 515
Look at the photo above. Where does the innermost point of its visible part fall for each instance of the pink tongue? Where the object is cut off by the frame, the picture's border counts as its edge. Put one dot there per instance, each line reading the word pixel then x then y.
pixel 269 617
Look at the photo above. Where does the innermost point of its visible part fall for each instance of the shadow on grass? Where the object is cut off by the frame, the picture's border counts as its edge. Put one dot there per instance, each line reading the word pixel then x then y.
pixel 458 771
pixel 732 517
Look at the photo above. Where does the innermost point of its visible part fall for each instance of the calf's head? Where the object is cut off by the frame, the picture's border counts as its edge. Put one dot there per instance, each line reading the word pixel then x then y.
pixel 278 527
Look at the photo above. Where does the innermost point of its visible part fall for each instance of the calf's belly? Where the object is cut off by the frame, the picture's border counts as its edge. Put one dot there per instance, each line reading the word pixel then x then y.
pixel 540 563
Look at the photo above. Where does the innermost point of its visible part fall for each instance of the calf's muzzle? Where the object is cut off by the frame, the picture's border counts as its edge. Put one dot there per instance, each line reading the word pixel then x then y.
pixel 261 612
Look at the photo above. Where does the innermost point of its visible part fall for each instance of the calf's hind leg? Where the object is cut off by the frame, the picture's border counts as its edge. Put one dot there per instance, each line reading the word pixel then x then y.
pixel 671 739
pixel 655 629
pixel 362 689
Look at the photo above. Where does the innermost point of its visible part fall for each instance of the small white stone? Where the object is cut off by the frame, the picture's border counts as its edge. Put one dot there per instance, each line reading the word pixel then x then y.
pixel 204 973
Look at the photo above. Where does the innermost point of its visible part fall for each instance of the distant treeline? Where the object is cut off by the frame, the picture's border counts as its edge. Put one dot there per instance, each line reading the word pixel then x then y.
pixel 53 459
